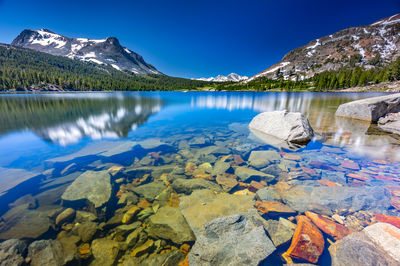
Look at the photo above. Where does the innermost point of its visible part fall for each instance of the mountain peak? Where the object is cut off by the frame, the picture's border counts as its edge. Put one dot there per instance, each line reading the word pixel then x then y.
pixel 220 78
pixel 106 51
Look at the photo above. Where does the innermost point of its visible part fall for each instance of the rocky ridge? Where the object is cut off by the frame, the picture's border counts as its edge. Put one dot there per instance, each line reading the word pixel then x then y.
pixel 365 46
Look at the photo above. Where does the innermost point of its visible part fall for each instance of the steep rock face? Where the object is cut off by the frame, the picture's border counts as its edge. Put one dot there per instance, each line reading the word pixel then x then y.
pixel 365 44
pixel 107 51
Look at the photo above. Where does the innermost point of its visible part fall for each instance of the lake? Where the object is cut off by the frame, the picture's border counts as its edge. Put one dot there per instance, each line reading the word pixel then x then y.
pixel 130 164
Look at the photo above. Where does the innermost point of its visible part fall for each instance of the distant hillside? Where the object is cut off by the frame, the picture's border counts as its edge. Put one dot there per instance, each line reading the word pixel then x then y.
pixel 233 77
pixel 26 69
pixel 368 46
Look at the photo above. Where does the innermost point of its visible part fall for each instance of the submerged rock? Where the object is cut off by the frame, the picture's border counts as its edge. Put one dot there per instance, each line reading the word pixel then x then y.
pixel 93 187
pixel 328 226
pixel 150 191
pixel 247 174
pixel 47 252
pixel 169 223
pixel 301 198
pixel 231 240
pixel 105 251
pixel 187 186
pixel 203 206
pixel 11 252
pixel 67 215
pixel 288 126
pixel 370 109
pixel 280 231
pixel 308 242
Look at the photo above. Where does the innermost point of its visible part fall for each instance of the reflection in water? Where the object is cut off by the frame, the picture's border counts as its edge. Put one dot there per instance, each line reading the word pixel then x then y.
pixel 320 109
pixel 67 120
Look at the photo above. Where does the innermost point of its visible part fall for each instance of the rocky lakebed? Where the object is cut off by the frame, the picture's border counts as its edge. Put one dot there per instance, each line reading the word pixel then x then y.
pixel 279 193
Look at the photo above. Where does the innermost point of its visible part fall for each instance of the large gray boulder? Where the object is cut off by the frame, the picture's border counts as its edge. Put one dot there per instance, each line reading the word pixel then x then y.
pixel 92 187
pixel 231 240
pixel 302 198
pixel 11 252
pixel 284 125
pixel 370 109
pixel 390 123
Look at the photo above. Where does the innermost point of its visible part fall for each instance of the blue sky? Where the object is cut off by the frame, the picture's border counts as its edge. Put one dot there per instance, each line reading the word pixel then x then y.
pixel 189 38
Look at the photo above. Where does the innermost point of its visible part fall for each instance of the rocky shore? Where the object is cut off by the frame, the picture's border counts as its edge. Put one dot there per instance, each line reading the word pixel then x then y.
pixel 207 197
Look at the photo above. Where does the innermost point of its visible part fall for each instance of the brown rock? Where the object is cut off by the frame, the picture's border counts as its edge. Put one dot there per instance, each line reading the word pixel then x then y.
pixel 291 156
pixel 143 204
pixel 238 159
pixel 67 215
pixel 273 207
pixel 328 226
pixel 350 165
pixel 359 176
pixel 254 186
pixel 393 220
pixel 326 182
pixel 190 167
pixel 227 181
pixel 185 248
pixel 307 242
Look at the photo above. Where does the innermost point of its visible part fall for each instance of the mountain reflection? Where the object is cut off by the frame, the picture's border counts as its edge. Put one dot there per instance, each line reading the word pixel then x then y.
pixel 66 120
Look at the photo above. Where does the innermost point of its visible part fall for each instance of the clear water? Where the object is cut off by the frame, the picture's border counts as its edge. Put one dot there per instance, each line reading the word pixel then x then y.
pixel 42 134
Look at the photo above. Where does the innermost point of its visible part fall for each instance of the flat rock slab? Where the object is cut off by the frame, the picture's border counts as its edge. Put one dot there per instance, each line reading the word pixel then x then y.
pixel 231 240
pixel 203 206
pixel 169 223
pixel 370 109
pixel 92 186
pixel 301 198
pixel 288 126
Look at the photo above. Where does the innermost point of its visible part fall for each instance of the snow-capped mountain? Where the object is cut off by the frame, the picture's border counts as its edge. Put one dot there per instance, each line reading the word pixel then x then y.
pixel 220 78
pixel 366 46
pixel 107 51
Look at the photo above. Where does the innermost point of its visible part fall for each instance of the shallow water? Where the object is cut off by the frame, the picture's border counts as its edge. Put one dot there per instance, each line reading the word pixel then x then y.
pixel 48 140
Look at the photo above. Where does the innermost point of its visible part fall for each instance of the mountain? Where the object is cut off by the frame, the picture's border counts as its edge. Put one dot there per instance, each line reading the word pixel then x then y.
pixel 24 69
pixel 220 78
pixel 107 51
pixel 367 46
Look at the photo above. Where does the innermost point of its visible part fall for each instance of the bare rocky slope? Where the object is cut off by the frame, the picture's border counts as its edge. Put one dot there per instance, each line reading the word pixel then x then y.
pixel 377 43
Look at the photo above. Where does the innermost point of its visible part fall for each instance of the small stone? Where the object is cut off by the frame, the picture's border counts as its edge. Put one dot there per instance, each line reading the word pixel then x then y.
pixel 350 165
pixel 205 167
pixel 273 207
pixel 130 214
pixel 255 186
pixel 145 248
pixel 227 181
pixel 67 215
pixel 238 159
pixel 247 174
pixel 84 251
pixel 185 248
pixel 291 156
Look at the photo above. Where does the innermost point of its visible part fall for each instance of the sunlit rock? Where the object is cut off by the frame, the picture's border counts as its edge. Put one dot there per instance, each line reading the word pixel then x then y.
pixel 288 126
pixel 370 109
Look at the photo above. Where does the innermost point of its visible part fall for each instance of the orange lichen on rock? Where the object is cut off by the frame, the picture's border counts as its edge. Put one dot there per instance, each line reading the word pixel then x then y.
pixel 307 242
pixel 328 226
